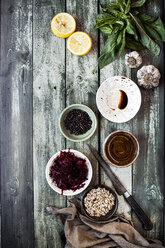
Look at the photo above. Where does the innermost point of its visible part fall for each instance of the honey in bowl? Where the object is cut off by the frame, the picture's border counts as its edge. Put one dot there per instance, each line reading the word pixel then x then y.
pixel 121 148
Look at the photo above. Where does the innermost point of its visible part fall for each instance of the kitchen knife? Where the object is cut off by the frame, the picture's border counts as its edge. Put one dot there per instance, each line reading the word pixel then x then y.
pixel 121 190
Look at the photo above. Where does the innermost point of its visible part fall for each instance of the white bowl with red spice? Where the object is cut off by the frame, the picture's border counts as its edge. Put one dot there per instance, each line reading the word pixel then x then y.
pixel 68 172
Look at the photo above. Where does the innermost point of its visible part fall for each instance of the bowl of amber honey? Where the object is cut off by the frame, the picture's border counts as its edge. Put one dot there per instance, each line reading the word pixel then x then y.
pixel 121 148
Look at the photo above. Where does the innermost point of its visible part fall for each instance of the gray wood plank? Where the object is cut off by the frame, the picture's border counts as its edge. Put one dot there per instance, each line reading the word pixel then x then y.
pixel 16 124
pixel 117 68
pixel 48 102
pixel 0 169
pixel 162 127
pixel 148 172
pixel 81 73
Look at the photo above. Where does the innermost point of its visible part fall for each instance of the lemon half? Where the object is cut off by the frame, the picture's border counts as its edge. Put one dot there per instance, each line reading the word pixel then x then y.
pixel 63 25
pixel 79 43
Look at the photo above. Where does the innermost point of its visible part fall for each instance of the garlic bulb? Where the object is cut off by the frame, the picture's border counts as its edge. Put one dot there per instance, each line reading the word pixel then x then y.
pixel 148 77
pixel 133 59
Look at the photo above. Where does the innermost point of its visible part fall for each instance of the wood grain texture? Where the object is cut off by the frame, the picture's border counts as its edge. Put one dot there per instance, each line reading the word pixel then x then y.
pixel 148 172
pixel 16 124
pixel 117 68
pixel 48 102
pixel 39 78
pixel 81 73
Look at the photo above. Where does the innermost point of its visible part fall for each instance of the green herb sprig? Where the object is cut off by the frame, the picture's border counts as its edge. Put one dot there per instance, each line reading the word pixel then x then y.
pixel 127 27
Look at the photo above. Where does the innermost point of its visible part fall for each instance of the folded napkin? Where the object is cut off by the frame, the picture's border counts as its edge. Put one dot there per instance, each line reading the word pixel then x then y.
pixel 82 232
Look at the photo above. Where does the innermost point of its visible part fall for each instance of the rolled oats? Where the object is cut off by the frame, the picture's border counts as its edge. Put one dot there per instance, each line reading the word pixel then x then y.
pixel 98 202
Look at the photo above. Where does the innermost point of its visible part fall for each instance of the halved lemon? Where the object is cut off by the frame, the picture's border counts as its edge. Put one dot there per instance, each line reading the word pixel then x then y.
pixel 79 43
pixel 63 25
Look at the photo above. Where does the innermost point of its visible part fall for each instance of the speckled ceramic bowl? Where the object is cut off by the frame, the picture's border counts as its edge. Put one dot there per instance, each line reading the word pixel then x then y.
pixel 73 137
pixel 109 91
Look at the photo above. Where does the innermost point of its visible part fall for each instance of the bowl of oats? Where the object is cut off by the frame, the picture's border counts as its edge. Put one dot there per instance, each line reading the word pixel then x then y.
pixel 99 203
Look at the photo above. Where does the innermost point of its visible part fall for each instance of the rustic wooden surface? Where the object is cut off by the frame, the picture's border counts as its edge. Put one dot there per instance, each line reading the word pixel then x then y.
pixel 39 77
pixel 16 124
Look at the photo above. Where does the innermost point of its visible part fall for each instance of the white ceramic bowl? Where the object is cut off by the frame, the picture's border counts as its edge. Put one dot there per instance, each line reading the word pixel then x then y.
pixel 68 192
pixel 106 102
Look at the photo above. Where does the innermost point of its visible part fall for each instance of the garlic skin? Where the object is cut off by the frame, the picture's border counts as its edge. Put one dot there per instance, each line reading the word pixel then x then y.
pixel 148 77
pixel 133 59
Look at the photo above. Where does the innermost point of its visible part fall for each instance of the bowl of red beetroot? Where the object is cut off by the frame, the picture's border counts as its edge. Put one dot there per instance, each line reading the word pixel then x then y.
pixel 68 172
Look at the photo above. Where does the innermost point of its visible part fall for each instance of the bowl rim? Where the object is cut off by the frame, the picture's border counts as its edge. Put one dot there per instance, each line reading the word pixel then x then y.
pixel 68 192
pixel 104 217
pixel 85 107
pixel 138 148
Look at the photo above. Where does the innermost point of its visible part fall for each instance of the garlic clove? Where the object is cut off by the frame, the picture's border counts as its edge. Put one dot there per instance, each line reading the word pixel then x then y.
pixel 133 59
pixel 150 69
pixel 135 54
pixel 148 77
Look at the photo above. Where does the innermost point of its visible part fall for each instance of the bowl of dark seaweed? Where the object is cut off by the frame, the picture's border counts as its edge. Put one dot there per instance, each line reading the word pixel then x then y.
pixel 68 172
pixel 77 122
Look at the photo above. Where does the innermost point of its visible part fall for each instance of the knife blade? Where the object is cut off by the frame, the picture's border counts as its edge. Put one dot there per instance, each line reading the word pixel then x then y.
pixel 121 190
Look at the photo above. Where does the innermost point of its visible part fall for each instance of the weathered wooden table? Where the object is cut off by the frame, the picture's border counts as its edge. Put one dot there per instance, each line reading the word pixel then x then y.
pixel 39 77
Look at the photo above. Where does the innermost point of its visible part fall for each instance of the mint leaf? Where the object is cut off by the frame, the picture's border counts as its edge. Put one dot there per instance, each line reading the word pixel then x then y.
pixel 131 30
pixel 111 11
pixel 152 32
pixel 117 27
pixel 113 48
pixel 106 29
pixel 108 52
pixel 115 12
pixel 120 43
pixel 138 3
pixel 154 26
pixel 102 16
pixel 133 44
pixel 159 27
pixel 146 18
pixel 113 5
pixel 128 6
pixel 145 38
pixel 127 27
pixel 120 3
pixel 105 19
pixel 134 12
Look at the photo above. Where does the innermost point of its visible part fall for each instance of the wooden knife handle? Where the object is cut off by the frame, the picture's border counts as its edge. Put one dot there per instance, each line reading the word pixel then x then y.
pixel 147 224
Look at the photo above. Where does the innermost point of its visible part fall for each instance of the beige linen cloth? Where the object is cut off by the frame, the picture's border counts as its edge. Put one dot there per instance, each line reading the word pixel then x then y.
pixel 81 232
